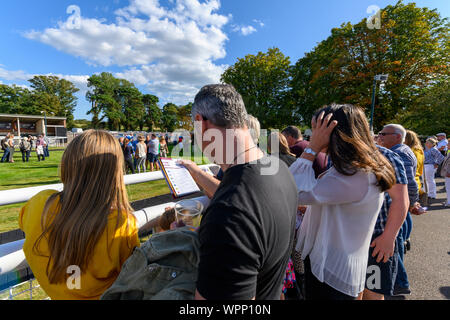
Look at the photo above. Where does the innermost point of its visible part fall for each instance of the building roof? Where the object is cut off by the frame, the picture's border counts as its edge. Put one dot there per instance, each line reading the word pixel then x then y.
pixel 7 116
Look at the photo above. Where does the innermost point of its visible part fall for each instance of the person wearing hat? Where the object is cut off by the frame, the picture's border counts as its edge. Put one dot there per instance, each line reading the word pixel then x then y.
pixel 433 158
pixel 442 144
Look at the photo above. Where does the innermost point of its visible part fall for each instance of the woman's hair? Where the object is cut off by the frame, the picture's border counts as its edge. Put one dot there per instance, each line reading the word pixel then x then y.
pixel 92 174
pixel 432 141
pixel 412 140
pixel 283 145
pixel 352 148
pixel 125 143
pixel 254 126
pixel 162 139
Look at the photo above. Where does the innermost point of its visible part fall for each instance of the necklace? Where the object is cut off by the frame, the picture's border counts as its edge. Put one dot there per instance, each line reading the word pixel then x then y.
pixel 235 158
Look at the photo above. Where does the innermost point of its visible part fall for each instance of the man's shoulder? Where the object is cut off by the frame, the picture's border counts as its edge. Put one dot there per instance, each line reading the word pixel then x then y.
pixel 299 147
pixel 403 150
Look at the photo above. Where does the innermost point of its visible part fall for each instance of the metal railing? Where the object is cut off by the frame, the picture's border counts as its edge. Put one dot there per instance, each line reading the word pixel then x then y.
pixel 12 257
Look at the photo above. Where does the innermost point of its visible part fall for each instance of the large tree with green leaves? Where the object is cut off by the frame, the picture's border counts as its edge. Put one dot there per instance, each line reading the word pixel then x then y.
pixel 102 96
pixel 133 109
pixel 153 112
pixel 430 114
pixel 55 96
pixel 184 117
pixel 169 119
pixel 412 46
pixel 263 81
pixel 17 100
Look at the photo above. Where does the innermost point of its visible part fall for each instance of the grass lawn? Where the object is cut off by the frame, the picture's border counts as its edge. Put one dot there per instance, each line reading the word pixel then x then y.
pixel 21 175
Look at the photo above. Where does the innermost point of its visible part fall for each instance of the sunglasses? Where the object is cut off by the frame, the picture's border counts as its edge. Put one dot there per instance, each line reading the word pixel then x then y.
pixel 385 133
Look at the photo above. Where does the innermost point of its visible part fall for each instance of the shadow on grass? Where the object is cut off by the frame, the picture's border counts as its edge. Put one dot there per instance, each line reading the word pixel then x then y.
pixel 39 167
pixel 30 184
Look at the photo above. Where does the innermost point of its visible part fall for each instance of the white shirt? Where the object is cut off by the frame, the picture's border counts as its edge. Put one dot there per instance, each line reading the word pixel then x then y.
pixel 442 143
pixel 142 149
pixel 338 225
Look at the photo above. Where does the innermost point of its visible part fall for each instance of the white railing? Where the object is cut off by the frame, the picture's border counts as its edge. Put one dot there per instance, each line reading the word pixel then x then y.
pixel 12 257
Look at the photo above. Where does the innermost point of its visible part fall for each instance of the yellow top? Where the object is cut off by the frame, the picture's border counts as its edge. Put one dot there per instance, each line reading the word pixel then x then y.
pixel 420 160
pixel 102 270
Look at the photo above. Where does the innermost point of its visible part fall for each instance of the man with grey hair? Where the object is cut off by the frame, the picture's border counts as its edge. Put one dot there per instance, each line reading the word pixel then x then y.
pixel 206 181
pixel 392 137
pixel 246 233
pixel 442 145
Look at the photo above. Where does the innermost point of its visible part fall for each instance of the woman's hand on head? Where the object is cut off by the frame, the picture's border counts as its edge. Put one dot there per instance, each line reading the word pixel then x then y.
pixel 321 131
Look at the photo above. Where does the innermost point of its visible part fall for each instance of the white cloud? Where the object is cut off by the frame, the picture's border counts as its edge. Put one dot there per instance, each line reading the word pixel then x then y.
pixel 259 22
pixel 168 49
pixel 243 30
pixel 80 81
pixel 247 30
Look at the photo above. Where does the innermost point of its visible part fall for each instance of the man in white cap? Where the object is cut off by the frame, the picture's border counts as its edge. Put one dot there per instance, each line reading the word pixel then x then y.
pixel 442 145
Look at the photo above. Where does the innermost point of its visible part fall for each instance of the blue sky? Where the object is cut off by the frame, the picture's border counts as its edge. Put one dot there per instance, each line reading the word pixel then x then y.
pixel 169 48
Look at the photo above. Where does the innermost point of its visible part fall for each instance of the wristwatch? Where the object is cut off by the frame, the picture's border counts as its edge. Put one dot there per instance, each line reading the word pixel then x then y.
pixel 310 151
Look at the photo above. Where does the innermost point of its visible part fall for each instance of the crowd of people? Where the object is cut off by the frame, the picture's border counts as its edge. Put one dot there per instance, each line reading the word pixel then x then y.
pixel 338 207
pixel 26 145
pixel 141 153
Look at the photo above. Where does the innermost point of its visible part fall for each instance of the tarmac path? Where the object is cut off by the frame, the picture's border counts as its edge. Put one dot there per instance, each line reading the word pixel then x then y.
pixel 428 261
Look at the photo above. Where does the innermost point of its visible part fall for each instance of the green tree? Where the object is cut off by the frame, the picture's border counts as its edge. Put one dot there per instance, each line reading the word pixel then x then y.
pixel 169 120
pixel 262 81
pixel 17 100
pixel 101 95
pixel 184 117
pixel 55 95
pixel 133 108
pixel 153 112
pixel 430 114
pixel 412 46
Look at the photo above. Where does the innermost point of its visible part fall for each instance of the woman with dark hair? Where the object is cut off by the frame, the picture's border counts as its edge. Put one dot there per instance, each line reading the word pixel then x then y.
pixel 343 203
pixel 128 155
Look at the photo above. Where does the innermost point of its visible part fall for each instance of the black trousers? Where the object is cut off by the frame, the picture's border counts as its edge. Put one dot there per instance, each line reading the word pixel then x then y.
pixel 316 290
pixel 129 164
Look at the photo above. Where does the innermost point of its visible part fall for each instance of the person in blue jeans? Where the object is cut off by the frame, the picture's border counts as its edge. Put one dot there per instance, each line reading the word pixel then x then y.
pixel 392 137
pixel 5 145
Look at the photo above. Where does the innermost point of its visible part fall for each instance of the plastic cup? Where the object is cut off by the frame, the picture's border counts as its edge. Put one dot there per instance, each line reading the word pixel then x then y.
pixel 188 212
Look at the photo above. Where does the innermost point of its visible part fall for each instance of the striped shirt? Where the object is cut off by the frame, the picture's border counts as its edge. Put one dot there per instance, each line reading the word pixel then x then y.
pixel 433 156
pixel 410 163
pixel 400 177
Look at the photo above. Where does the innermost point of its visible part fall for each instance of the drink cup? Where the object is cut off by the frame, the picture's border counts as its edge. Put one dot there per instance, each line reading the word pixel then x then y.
pixel 188 212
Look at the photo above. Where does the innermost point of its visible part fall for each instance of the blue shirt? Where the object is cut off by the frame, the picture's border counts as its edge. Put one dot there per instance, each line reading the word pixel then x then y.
pixel 400 178
pixel 410 163
pixel 433 156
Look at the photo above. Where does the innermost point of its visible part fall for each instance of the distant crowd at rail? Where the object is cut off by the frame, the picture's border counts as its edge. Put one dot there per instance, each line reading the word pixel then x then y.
pixel 27 144
pixel 332 223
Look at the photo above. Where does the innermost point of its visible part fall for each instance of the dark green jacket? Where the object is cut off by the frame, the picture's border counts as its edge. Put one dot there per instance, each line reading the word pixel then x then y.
pixel 163 268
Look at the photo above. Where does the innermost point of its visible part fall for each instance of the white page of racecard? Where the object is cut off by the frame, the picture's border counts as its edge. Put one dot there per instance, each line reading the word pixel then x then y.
pixel 180 178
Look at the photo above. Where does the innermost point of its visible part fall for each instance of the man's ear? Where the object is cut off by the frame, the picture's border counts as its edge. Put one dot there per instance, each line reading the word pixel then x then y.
pixel 198 117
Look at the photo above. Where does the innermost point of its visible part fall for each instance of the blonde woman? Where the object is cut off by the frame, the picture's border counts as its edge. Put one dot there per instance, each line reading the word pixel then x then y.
pixel 412 141
pixel 88 229
pixel 164 151
pixel 141 154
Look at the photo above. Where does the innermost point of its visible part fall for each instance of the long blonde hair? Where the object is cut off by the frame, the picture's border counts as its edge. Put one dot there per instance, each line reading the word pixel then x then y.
pixel 412 140
pixel 92 175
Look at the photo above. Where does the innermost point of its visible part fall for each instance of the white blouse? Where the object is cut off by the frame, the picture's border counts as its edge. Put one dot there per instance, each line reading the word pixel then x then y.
pixel 338 224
